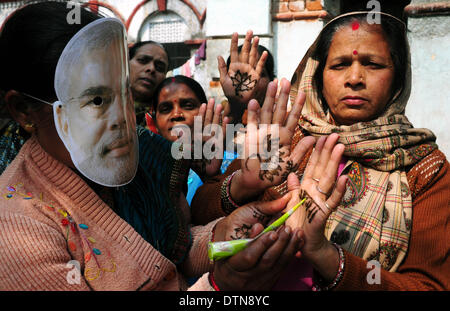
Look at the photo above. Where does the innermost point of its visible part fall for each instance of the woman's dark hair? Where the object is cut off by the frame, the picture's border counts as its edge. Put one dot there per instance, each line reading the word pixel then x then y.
pixel 269 65
pixel 189 82
pixel 395 34
pixel 135 47
pixel 31 42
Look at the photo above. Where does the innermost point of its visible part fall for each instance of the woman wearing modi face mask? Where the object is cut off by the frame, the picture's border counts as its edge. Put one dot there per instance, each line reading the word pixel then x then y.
pixel 133 237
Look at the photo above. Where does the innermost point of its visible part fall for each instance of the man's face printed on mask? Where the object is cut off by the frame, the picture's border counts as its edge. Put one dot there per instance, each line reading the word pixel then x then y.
pixel 95 113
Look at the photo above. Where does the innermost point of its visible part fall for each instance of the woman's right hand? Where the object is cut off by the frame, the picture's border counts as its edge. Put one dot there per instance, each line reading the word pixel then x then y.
pixel 258 266
pixel 259 172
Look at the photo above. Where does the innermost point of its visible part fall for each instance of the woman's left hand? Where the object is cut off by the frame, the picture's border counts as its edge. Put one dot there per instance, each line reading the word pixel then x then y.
pixel 324 191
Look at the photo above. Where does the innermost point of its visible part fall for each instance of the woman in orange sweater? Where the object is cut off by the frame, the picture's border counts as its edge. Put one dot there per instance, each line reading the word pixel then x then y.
pixel 395 212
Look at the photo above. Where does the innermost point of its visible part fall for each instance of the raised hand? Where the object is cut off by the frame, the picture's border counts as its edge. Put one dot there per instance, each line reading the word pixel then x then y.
pixel 240 79
pixel 213 119
pixel 259 172
pixel 324 193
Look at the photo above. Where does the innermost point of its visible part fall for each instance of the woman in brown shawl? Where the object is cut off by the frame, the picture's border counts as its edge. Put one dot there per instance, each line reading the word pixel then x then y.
pixel 395 210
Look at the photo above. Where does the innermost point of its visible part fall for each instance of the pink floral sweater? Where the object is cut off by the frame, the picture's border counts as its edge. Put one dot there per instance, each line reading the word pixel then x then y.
pixel 57 234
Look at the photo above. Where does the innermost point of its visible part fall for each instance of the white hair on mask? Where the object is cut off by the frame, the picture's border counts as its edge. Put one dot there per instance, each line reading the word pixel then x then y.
pixel 98 35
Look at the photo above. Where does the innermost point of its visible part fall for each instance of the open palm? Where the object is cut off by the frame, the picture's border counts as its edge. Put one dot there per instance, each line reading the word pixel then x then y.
pixel 268 159
pixel 240 79
pixel 323 192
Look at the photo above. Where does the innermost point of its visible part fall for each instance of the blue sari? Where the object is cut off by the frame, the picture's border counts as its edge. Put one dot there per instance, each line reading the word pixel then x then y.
pixel 11 140
pixel 149 203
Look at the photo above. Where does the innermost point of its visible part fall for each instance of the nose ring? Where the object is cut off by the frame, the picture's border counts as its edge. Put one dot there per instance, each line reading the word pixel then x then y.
pixel 179 115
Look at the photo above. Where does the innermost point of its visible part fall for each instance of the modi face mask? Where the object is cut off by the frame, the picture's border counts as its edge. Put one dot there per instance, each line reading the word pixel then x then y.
pixel 94 114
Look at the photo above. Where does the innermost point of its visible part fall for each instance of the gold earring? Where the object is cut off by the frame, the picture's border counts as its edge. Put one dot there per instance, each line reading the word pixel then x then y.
pixel 29 125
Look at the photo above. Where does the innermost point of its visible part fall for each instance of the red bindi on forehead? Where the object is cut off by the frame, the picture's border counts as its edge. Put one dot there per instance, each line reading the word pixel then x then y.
pixel 355 52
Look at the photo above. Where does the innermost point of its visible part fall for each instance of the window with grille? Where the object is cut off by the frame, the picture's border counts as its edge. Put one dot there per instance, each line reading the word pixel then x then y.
pixel 164 27
pixel 169 29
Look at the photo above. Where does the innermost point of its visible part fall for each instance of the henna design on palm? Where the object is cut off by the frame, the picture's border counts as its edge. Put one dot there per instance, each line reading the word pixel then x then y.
pixel 269 174
pixel 243 82
pixel 311 209
pixel 241 232
pixel 259 216
pixel 290 168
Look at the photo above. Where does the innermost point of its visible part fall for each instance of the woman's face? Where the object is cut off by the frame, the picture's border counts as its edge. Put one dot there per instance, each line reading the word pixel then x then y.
pixel 177 105
pixel 358 74
pixel 147 69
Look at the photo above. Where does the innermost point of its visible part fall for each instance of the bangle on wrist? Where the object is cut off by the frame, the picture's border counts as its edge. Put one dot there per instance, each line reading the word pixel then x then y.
pixel 212 233
pixel 211 240
pixel 212 282
pixel 339 275
pixel 228 203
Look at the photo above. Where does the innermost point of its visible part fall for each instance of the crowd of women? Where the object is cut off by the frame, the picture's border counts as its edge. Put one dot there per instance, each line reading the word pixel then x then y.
pixel 378 189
